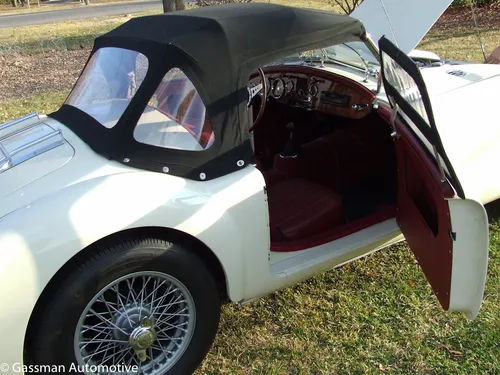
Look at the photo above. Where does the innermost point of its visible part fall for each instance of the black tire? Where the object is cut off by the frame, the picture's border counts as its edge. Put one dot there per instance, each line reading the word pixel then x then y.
pixel 53 341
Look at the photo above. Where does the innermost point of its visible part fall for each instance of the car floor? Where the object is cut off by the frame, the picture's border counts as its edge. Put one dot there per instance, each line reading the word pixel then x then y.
pixel 342 180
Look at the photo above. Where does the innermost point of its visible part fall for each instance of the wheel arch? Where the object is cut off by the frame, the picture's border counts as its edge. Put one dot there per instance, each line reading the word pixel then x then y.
pixel 193 244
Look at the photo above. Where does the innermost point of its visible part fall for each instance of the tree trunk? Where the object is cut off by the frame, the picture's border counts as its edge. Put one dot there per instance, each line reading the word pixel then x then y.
pixel 180 5
pixel 173 5
pixel 168 6
pixel 87 2
pixel 494 57
pixel 14 3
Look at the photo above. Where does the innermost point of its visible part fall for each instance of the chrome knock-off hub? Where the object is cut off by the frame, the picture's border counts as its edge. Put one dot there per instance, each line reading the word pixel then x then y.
pixel 142 338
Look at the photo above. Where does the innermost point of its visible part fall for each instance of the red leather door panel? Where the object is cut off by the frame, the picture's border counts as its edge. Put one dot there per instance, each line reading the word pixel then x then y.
pixel 423 212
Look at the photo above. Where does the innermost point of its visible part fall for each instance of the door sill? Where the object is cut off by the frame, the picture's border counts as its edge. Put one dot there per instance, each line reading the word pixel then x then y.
pixel 306 263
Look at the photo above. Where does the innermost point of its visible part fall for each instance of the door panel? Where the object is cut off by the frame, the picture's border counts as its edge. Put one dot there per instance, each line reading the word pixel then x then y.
pixel 423 213
pixel 447 232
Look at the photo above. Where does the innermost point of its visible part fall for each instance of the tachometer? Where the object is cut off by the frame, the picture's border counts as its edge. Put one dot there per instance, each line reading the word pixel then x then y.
pixel 278 88
pixel 288 87
pixel 313 90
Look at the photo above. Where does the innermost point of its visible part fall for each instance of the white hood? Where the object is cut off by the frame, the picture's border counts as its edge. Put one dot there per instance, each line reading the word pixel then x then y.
pixel 446 78
pixel 404 22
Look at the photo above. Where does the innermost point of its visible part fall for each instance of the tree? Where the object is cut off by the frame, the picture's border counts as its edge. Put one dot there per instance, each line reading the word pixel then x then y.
pixel 173 5
pixel 348 6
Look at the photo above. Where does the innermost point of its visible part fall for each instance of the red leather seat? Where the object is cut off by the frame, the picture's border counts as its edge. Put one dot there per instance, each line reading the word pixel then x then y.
pixel 300 208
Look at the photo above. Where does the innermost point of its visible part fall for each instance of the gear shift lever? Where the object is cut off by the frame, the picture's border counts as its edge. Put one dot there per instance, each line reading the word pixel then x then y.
pixel 290 150
pixel 290 126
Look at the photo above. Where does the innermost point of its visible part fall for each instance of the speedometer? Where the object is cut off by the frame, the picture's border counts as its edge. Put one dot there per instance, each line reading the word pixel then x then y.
pixel 278 88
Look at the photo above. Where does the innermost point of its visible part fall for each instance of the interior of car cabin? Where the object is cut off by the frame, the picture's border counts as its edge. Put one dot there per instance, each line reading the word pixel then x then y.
pixel 327 175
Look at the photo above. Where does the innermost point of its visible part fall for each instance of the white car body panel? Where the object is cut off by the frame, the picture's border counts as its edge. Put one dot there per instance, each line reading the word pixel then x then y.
pixel 442 79
pixel 470 138
pixel 404 22
pixel 299 265
pixel 97 197
pixel 470 221
pixel 425 55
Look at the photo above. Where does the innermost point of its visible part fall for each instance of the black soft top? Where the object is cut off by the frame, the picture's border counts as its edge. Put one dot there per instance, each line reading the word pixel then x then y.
pixel 218 48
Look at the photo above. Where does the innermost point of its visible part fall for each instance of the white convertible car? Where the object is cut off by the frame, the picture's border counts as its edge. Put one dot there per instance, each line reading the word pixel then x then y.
pixel 221 154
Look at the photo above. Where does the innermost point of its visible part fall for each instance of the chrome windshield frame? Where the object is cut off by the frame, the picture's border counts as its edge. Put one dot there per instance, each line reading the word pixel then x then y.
pixel 366 38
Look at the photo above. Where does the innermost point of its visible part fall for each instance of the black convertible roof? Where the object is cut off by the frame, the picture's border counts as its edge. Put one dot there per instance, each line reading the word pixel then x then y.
pixel 239 32
pixel 218 48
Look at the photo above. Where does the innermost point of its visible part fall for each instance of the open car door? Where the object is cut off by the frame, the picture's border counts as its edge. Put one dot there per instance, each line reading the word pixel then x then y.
pixel 447 232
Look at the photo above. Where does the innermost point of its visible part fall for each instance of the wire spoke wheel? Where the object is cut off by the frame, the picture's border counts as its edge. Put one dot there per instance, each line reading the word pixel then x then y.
pixel 143 319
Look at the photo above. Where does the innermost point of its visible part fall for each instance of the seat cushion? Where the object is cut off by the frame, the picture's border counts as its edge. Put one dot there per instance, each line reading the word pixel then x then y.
pixel 300 208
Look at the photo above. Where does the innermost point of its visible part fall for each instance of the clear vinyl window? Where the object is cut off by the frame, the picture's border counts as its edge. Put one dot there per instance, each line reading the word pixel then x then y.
pixel 175 117
pixel 405 85
pixel 108 84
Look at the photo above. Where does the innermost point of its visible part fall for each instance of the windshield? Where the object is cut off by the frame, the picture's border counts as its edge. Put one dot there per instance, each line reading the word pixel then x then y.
pixel 108 84
pixel 355 55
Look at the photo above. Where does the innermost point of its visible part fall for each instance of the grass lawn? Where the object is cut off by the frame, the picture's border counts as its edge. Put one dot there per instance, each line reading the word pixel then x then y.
pixel 7 9
pixel 461 44
pixel 376 315
pixel 46 103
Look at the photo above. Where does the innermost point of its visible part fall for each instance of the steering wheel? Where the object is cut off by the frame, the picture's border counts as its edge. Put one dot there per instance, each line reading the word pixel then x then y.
pixel 253 92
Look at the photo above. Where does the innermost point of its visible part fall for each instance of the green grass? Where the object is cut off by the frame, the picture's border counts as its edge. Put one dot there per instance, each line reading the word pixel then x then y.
pixel 45 103
pixel 59 36
pixel 7 9
pixel 461 44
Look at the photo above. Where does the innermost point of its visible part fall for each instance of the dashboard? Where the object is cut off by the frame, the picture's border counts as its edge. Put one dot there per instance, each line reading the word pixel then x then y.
pixel 317 90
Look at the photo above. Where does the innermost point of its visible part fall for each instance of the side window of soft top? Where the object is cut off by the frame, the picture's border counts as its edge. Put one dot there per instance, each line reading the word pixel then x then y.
pixel 175 116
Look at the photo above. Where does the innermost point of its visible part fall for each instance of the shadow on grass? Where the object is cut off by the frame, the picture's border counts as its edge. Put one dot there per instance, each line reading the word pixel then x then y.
pixel 445 34
pixel 493 210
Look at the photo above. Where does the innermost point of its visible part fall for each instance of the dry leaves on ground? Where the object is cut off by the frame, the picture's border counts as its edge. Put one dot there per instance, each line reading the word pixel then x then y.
pixel 23 75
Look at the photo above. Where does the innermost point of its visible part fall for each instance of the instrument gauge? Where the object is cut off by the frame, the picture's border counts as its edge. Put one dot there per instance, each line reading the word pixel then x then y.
pixel 313 90
pixel 288 87
pixel 278 88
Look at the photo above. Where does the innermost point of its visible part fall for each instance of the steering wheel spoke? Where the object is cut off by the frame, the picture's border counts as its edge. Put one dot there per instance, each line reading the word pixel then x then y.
pixel 253 92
